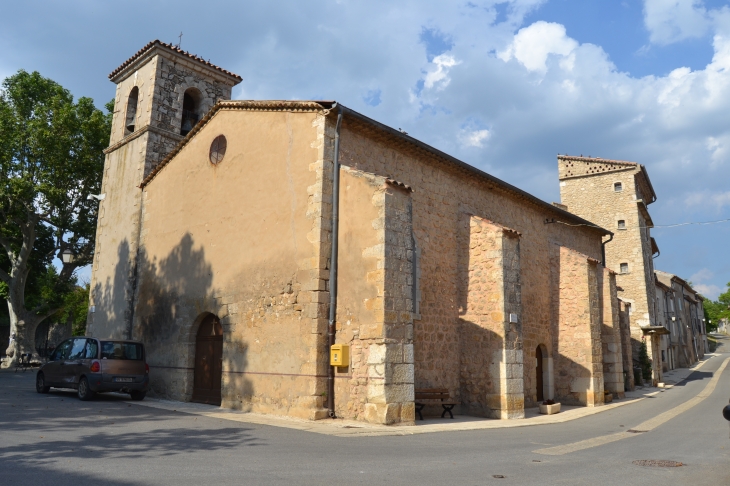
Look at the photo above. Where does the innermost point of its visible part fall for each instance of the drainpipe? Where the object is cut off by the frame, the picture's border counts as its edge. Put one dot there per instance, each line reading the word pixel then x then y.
pixel 603 250
pixel 331 329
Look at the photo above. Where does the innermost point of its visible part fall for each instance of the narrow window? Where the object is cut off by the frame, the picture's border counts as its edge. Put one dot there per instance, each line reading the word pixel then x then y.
pixel 621 224
pixel 618 187
pixel 624 268
pixel 190 111
pixel 628 309
pixel 130 119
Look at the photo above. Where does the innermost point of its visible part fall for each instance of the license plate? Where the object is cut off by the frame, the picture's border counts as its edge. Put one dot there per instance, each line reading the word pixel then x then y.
pixel 124 380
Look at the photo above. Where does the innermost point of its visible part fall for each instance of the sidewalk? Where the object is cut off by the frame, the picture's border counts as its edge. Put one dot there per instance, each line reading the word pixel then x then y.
pixel 352 428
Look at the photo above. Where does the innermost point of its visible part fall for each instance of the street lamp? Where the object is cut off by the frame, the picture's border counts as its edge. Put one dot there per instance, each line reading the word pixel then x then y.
pixel 67 256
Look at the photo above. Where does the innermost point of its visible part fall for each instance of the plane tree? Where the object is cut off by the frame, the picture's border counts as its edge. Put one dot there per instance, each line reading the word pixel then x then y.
pixel 51 160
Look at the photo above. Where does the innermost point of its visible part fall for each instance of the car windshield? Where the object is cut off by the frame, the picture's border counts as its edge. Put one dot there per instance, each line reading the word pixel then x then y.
pixel 121 350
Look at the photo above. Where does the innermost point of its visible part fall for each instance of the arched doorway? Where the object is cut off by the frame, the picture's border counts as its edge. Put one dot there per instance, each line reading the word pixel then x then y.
pixel 539 373
pixel 208 361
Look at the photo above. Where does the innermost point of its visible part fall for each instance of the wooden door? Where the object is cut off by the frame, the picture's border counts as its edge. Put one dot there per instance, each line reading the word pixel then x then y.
pixel 538 375
pixel 208 362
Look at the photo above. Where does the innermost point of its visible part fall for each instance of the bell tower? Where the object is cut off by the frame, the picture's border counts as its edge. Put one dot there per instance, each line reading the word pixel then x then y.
pixel 162 92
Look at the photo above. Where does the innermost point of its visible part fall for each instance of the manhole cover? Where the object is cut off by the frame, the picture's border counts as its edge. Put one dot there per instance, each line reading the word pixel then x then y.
pixel 657 463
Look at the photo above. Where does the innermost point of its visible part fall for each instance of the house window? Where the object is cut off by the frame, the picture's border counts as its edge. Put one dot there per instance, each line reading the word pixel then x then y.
pixel 130 118
pixel 618 187
pixel 191 108
pixel 624 268
pixel 621 224
pixel 218 149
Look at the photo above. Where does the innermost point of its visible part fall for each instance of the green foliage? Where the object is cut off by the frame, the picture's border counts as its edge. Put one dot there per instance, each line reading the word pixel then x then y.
pixel 75 309
pixel 51 159
pixel 645 363
pixel 716 310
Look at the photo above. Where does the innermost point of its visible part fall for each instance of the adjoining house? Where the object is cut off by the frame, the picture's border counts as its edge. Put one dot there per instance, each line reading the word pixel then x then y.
pixel 214 247
pixel 615 194
pixel 684 318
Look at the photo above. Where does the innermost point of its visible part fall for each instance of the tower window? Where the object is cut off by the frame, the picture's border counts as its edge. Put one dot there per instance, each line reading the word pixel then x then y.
pixel 624 268
pixel 131 116
pixel 621 224
pixel 618 187
pixel 191 110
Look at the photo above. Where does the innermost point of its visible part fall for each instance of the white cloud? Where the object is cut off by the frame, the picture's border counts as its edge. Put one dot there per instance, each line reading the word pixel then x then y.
pixel 710 291
pixel 714 200
pixel 438 75
pixel 671 21
pixel 677 124
pixel 532 46
pixel 474 138
pixel 702 276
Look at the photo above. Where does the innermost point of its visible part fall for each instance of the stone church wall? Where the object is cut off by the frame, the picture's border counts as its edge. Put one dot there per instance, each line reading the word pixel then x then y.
pixel 442 195
pixel 492 375
pixel 374 300
pixel 579 362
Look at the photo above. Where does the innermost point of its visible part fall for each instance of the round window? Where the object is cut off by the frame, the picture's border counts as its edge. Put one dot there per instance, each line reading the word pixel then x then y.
pixel 218 149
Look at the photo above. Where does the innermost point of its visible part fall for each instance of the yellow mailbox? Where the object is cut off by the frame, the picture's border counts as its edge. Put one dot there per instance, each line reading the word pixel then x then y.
pixel 340 355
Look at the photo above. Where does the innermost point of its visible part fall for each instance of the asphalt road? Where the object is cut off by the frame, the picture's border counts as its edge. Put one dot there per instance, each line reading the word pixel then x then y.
pixel 57 440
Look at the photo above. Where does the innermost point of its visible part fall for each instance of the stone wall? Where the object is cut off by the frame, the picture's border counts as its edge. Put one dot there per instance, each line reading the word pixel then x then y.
pixel 587 189
pixel 442 195
pixel 613 368
pixel 374 300
pixel 579 362
pixel 626 346
pixel 173 77
pixel 492 376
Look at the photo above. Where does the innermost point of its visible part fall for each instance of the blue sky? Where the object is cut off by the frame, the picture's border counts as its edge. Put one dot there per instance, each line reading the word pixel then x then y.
pixel 503 85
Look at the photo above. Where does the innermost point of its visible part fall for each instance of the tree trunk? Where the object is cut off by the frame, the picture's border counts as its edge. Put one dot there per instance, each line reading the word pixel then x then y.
pixel 23 325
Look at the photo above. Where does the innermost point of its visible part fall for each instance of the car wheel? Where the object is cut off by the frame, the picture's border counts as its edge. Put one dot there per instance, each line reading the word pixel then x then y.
pixel 137 395
pixel 84 391
pixel 40 384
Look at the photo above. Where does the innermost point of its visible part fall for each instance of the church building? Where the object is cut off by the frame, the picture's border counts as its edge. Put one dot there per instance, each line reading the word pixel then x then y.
pixel 241 240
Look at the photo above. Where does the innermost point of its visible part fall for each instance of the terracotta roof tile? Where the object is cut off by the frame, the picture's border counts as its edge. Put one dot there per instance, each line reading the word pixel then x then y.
pixel 174 49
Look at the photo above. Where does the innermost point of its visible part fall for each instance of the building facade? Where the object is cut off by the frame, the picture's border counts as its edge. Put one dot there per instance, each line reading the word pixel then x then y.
pixel 687 341
pixel 615 195
pixel 218 256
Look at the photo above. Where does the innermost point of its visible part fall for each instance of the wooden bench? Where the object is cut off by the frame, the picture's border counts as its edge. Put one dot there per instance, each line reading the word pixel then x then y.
pixel 439 395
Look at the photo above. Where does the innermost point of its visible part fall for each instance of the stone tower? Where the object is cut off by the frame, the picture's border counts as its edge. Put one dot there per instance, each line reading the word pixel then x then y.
pixel 162 92
pixel 615 194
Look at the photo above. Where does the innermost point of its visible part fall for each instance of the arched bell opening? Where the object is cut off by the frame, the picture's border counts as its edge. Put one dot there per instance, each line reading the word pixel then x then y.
pixel 208 361
pixel 131 115
pixel 191 110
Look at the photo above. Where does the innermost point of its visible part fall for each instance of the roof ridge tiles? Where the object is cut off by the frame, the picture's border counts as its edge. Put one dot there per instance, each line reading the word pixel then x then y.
pixel 176 50
pixel 597 159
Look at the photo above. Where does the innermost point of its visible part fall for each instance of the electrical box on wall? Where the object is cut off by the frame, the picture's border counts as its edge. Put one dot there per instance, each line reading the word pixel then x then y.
pixel 340 355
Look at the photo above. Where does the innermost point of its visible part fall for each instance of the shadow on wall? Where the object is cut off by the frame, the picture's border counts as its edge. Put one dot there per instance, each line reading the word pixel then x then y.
pixel 112 300
pixel 481 357
pixel 173 296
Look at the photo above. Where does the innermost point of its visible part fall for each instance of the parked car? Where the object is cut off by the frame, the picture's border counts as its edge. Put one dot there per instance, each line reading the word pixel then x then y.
pixel 91 365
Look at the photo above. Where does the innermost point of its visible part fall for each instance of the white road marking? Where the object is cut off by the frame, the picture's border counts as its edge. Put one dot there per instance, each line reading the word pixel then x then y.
pixel 646 426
